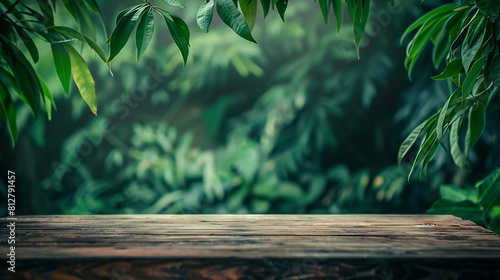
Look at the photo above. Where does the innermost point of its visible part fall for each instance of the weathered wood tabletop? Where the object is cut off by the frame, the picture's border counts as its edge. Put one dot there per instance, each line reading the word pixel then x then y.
pixel 137 247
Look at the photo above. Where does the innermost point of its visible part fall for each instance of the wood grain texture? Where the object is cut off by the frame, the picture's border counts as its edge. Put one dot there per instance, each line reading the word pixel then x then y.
pixel 251 247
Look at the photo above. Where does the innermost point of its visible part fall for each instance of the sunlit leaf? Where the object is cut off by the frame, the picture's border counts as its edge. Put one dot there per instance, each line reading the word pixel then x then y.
pixel 249 10
pixel 83 78
pixel 205 14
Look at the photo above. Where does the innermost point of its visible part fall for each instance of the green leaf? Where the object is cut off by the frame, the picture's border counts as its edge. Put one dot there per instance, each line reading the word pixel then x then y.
pixel 441 47
pixel 249 10
pixel 24 73
pixel 84 19
pixel 428 156
pixel 443 114
pixel 424 149
pixel 8 112
pixel 471 78
pixel 495 70
pixel 123 29
pixel 266 4
pixel 477 122
pixel 325 8
pixel 127 10
pixel 452 69
pixel 281 6
pixel 489 191
pixel 473 42
pixel 464 209
pixel 179 31
pixel 434 14
pixel 455 194
pixel 144 33
pixel 410 140
pixel 456 151
pixel 418 43
pixel 75 34
pixel 83 78
pixel 339 13
pixel 63 65
pixel 359 12
pixel 48 99
pixel 491 8
pixel 205 14
pixel 28 42
pixel 175 3
pixel 234 19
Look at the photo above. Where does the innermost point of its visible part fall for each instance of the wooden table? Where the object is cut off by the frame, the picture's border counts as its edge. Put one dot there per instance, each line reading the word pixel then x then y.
pixel 133 247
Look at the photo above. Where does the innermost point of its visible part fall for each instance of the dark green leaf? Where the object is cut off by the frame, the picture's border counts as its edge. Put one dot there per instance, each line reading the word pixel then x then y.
pixel 325 8
pixel 24 73
pixel 205 14
pixel 281 6
pixel 477 122
pixel 144 33
pixel 123 29
pixel 28 42
pixel 63 65
pixel 179 32
pixel 266 4
pixel 491 8
pixel 8 112
pixel 234 19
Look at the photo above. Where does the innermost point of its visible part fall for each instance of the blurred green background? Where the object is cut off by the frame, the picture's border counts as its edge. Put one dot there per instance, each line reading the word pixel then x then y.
pixel 293 124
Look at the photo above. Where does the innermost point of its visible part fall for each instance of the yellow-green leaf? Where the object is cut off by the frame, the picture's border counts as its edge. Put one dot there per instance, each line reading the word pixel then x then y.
pixel 83 78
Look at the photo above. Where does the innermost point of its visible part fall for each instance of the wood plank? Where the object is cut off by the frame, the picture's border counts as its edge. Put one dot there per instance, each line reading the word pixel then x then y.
pixel 229 246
